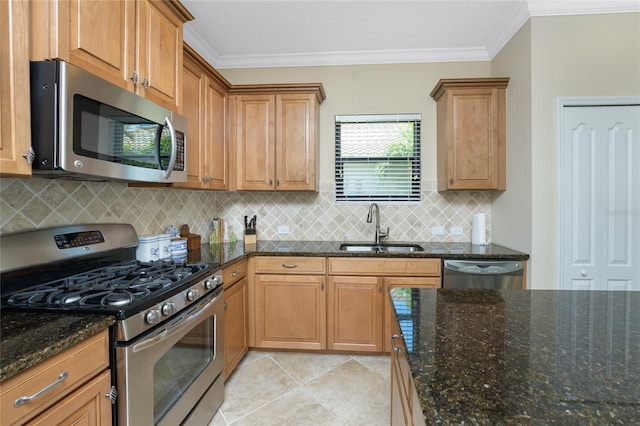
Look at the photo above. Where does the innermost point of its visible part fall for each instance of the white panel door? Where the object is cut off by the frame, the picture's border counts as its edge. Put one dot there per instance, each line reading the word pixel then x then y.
pixel 600 189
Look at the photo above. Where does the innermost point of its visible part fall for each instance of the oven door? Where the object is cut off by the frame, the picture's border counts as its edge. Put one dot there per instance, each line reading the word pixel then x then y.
pixel 175 368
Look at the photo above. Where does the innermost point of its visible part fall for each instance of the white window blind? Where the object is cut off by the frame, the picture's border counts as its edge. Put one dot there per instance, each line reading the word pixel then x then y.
pixel 378 157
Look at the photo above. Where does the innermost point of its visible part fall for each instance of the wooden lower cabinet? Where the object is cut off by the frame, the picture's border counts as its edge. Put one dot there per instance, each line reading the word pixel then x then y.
pixel 236 326
pixel 86 406
pixel 290 312
pixel 355 314
pixel 405 404
pixel 81 380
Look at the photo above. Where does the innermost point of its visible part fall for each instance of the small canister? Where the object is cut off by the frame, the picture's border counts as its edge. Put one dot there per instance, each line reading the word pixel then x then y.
pixel 148 248
pixel 178 248
pixel 164 246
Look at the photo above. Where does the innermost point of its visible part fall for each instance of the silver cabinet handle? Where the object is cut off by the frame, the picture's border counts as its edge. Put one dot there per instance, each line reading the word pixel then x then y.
pixel 145 83
pixel 235 273
pixel 289 265
pixel 393 346
pixel 24 399
pixel 134 77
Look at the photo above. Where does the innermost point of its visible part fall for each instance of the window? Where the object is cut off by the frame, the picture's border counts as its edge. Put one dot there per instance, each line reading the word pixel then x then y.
pixel 378 157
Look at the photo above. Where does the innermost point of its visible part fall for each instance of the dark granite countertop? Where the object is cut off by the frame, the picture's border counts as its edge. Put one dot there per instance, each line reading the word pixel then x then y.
pixel 523 357
pixel 229 253
pixel 29 338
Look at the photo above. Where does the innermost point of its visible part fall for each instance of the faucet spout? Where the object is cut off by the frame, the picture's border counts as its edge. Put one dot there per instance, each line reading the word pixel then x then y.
pixel 379 233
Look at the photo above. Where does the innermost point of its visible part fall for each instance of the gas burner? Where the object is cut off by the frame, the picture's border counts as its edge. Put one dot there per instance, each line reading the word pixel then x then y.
pixel 113 286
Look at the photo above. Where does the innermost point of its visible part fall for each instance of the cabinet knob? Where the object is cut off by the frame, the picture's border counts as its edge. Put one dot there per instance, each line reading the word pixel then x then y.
pixel 134 77
pixel 145 83
pixel 270 182
pixel 583 273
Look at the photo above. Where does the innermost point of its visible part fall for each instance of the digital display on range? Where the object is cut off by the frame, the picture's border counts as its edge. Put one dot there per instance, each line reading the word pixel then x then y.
pixel 78 239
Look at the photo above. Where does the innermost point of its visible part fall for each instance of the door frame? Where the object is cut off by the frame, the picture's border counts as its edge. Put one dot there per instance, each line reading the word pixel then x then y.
pixel 562 102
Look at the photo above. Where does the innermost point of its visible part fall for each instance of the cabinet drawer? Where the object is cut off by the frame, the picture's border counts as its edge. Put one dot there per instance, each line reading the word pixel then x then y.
pixel 290 265
pixel 384 267
pixel 233 273
pixel 80 362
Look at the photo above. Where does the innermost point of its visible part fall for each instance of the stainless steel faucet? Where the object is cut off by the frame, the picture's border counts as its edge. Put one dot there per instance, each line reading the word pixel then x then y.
pixel 379 234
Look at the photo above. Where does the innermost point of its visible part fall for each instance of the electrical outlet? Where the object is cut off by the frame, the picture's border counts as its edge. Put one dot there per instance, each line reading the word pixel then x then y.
pixel 456 230
pixel 283 230
pixel 437 230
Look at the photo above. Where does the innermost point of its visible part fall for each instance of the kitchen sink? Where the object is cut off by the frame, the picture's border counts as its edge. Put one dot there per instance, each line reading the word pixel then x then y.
pixel 380 248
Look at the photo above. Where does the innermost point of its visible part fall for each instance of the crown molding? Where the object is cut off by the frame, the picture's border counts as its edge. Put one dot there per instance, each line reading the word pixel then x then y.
pixel 354 58
pixel 581 7
pixel 200 45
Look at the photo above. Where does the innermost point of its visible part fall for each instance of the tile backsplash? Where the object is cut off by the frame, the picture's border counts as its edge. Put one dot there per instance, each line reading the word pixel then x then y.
pixel 36 203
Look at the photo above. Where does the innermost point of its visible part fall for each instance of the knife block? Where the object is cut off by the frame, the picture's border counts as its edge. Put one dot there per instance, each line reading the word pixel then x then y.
pixel 250 242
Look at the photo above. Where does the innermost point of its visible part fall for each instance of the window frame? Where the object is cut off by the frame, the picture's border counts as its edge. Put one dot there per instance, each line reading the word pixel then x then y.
pixel 415 160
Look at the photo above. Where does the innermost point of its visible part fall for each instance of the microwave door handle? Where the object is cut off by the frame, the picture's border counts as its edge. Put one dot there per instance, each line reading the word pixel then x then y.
pixel 174 148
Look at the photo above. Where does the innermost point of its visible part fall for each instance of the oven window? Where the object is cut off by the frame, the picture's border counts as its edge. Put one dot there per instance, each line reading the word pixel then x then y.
pixel 181 365
pixel 110 134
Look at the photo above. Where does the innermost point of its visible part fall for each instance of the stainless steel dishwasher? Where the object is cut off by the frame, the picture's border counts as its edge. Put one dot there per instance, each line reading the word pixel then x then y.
pixel 485 274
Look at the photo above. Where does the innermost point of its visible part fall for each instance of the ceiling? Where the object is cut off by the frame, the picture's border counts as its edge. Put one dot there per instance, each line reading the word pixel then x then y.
pixel 268 33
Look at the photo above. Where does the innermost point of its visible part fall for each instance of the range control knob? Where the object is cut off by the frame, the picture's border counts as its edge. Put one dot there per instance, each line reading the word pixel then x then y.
pixel 192 294
pixel 152 316
pixel 168 309
pixel 208 283
pixel 217 279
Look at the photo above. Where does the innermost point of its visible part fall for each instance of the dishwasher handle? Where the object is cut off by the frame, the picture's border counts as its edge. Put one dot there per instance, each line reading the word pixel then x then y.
pixel 483 267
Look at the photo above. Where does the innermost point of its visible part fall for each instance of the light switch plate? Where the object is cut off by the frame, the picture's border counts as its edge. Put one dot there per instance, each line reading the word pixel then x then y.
pixel 283 230
pixel 456 230
pixel 437 230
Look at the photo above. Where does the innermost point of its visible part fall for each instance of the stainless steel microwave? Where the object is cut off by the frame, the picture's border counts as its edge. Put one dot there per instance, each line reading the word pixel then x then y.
pixel 86 128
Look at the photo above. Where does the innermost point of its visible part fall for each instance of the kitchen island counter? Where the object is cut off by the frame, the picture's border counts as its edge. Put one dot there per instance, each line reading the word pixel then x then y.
pixel 523 357
pixel 29 338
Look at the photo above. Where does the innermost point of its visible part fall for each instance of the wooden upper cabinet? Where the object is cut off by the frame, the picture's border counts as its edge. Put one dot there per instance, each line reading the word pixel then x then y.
pixel 276 137
pixel 135 44
pixel 297 137
pixel 15 123
pixel 471 133
pixel 206 106
pixel 255 142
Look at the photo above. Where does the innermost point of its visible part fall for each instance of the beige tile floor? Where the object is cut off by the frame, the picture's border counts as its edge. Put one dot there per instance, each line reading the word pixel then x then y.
pixel 285 388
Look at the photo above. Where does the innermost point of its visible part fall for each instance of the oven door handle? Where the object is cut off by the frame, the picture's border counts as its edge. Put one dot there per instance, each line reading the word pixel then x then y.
pixel 176 328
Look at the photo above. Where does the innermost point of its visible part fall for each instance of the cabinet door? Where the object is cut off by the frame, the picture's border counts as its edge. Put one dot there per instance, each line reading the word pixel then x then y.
pixel 76 31
pixel 355 314
pixel 255 148
pixel 193 110
pixel 15 130
pixel 159 62
pixel 290 311
pixel 236 328
pixel 296 142
pixel 472 146
pixel 216 132
pixel 400 406
pixel 88 405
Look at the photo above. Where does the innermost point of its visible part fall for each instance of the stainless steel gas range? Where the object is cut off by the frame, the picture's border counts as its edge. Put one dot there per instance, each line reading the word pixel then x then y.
pixel 167 353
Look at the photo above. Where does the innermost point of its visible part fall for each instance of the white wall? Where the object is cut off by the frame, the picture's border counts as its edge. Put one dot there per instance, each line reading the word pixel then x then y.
pixel 571 56
pixel 511 209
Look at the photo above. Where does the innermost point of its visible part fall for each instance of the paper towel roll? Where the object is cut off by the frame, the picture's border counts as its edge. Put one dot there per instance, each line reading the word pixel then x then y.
pixel 479 229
